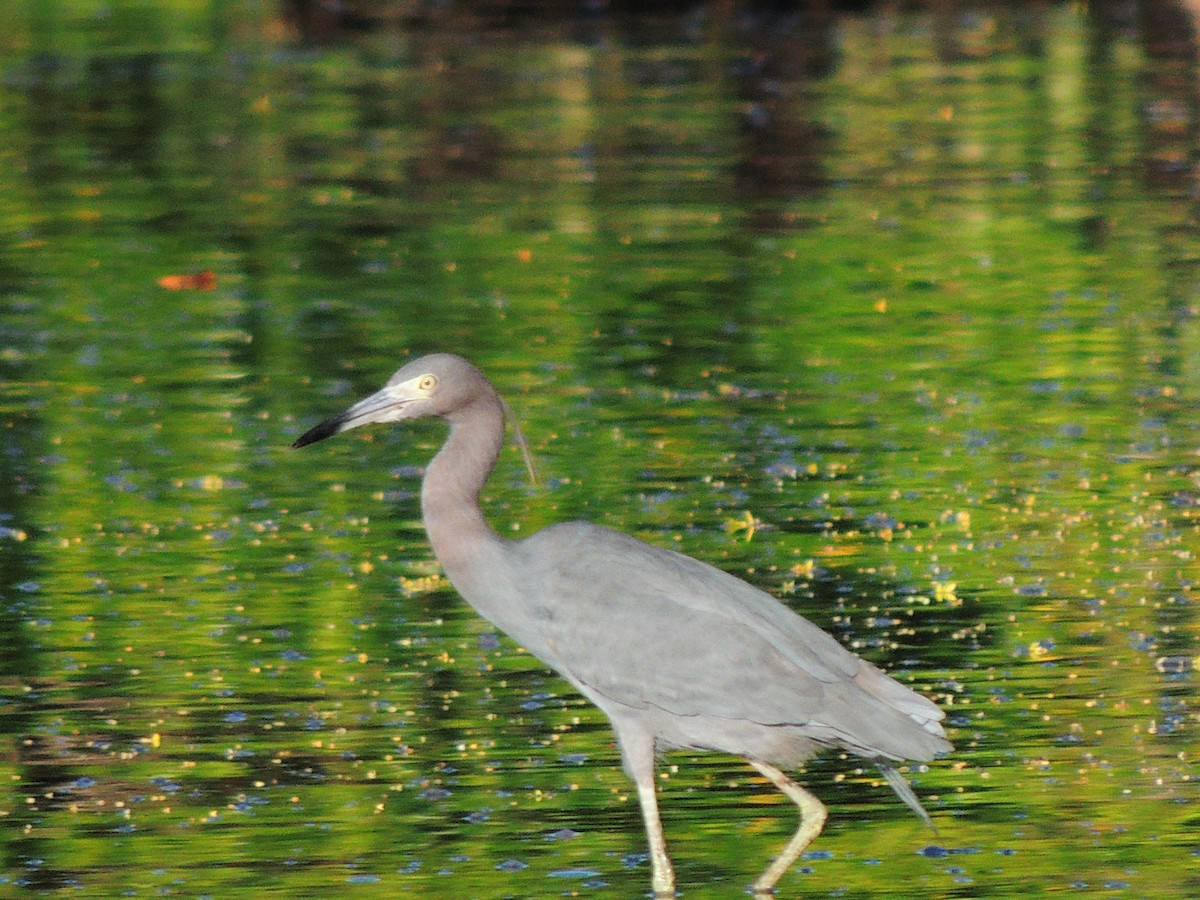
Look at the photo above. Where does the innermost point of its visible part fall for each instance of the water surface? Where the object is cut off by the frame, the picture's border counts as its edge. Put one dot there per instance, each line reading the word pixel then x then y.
pixel 893 315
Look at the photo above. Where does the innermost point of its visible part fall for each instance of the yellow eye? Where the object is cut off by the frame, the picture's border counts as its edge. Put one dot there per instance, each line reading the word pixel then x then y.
pixel 426 383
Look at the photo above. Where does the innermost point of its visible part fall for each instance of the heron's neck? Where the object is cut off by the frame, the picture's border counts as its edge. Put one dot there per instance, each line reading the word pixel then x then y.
pixel 458 532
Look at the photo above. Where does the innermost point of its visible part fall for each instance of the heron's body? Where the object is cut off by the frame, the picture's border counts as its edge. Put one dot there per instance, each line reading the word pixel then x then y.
pixel 674 651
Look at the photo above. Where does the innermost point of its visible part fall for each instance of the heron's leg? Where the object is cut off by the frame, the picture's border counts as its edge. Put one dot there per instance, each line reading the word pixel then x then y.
pixel 812 818
pixel 638 757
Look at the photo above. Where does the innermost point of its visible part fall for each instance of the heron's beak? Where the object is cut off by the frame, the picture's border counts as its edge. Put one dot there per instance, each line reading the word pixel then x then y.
pixel 387 405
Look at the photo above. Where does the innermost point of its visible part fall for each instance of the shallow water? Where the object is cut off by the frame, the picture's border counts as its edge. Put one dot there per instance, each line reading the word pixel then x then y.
pixel 893 315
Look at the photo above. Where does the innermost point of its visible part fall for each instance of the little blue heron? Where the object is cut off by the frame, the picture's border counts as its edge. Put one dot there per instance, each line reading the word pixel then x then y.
pixel 676 653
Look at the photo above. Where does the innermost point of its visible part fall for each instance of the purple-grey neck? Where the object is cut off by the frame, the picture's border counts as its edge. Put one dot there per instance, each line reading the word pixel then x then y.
pixel 462 540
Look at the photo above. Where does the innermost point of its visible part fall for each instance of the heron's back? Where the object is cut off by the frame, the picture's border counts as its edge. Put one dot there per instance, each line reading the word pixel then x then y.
pixel 706 660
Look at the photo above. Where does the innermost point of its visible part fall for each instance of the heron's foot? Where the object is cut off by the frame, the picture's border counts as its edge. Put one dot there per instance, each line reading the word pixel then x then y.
pixel 812 819
pixel 762 890
pixel 663 883
pixel 662 874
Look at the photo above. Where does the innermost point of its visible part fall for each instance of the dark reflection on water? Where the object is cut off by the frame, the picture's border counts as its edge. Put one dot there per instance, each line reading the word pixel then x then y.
pixel 891 312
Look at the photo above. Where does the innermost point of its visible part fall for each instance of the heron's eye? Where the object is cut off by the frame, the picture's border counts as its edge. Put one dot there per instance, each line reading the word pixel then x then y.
pixel 427 383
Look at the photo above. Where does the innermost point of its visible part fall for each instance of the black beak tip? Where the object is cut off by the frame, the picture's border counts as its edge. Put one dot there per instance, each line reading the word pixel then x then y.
pixel 318 432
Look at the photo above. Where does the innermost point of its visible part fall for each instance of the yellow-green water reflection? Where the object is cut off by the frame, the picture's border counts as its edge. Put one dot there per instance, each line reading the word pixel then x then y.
pixel 893 315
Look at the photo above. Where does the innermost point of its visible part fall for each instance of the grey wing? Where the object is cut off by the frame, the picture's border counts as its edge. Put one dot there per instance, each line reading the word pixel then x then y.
pixel 646 627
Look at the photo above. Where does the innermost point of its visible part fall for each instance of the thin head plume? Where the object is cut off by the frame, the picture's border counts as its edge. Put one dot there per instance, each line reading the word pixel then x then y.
pixel 521 442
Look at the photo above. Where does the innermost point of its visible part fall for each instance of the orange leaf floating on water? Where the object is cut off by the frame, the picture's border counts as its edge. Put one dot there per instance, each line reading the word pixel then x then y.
pixel 197 281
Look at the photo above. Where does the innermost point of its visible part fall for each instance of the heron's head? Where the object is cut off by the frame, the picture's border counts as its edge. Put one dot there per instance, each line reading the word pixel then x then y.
pixel 440 384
